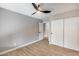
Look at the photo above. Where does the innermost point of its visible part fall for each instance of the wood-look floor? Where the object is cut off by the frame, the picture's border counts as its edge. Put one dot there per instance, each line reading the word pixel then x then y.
pixel 42 48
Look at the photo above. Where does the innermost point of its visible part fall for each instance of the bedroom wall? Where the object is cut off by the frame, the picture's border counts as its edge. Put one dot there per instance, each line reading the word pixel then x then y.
pixel 16 29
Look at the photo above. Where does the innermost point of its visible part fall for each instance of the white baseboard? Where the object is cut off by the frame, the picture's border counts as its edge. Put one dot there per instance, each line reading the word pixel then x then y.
pixel 6 51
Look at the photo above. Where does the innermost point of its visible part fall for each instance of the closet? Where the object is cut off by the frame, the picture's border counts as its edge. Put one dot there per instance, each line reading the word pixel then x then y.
pixel 65 33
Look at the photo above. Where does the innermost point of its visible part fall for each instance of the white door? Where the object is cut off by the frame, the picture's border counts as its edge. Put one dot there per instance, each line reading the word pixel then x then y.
pixel 47 28
pixel 57 32
pixel 41 31
pixel 71 36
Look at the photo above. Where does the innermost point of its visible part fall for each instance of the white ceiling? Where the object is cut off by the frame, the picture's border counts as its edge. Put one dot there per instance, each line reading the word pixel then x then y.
pixel 28 9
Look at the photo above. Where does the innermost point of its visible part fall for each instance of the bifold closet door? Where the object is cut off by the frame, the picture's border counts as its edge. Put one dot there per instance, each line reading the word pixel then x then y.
pixel 57 32
pixel 71 36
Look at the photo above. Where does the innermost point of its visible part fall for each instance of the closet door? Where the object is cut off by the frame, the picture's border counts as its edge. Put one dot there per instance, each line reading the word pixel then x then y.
pixel 71 33
pixel 57 32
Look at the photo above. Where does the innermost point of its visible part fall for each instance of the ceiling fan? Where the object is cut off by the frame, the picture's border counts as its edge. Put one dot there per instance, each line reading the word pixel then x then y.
pixel 37 8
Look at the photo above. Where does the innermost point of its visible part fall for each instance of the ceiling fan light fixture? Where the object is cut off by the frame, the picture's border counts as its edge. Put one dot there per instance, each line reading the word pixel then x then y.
pixel 38 12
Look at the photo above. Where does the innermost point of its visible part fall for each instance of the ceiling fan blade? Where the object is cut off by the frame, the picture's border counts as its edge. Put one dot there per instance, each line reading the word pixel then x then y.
pixel 34 13
pixel 38 6
pixel 45 11
pixel 34 5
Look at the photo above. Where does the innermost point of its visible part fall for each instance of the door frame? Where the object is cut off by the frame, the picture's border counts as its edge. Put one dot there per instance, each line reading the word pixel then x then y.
pixel 41 32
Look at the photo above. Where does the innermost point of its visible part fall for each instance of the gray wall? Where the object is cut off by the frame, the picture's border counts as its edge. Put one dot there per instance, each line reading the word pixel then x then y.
pixel 16 29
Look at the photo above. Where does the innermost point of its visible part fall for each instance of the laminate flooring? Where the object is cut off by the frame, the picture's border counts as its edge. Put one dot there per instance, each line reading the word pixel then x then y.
pixel 42 48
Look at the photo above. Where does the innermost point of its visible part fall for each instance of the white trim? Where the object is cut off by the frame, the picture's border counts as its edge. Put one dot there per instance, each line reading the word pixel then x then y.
pixel 6 51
